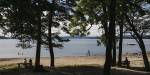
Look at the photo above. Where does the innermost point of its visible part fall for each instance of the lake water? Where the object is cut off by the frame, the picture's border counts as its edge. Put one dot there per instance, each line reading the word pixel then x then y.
pixel 75 47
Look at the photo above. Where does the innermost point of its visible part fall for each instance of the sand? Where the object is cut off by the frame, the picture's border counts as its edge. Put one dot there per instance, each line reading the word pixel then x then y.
pixel 96 61
pixel 135 60
pixel 62 61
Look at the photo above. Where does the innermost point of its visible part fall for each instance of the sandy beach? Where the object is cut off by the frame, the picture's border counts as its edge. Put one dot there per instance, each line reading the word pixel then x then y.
pixel 75 65
pixel 135 59
pixel 61 61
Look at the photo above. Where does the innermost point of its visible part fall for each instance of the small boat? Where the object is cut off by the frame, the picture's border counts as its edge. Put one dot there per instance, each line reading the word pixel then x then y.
pixel 131 44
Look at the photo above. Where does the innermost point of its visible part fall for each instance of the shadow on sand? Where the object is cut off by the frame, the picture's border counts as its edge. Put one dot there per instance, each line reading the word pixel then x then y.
pixel 67 70
pixel 71 70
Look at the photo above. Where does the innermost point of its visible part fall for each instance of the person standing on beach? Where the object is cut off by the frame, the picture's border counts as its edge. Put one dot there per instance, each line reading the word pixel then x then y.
pixel 88 53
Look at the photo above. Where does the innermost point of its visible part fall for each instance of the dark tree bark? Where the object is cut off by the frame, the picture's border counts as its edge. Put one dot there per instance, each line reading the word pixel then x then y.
pixel 114 51
pixel 50 41
pixel 140 42
pixel 120 44
pixel 38 48
pixel 50 44
pixel 110 37
pixel 104 21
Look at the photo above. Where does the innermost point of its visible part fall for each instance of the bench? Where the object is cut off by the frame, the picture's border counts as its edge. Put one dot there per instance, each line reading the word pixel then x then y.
pixel 125 63
pixel 24 65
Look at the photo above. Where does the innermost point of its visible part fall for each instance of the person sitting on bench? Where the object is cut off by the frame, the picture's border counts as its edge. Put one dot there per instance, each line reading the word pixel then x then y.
pixel 127 62
pixel 25 62
pixel 30 62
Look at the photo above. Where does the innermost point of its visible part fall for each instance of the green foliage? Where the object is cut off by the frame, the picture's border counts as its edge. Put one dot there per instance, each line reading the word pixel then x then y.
pixel 21 18
pixel 103 39
pixel 95 12
pixel 85 14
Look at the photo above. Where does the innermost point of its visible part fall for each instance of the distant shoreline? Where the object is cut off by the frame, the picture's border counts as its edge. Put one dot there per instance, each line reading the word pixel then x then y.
pixel 85 37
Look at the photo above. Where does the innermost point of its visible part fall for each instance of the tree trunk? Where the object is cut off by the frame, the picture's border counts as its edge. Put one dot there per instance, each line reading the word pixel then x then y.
pixel 109 46
pixel 51 48
pixel 120 44
pixel 144 54
pixel 114 51
pixel 38 48
pixel 50 44
pixel 141 44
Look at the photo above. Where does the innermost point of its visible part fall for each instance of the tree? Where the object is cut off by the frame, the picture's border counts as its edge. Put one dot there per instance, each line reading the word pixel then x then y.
pixel 120 42
pixel 27 20
pixel 24 22
pixel 59 12
pixel 94 12
pixel 112 19
pixel 114 53
pixel 49 34
pixel 97 12
pixel 140 11
pixel 141 44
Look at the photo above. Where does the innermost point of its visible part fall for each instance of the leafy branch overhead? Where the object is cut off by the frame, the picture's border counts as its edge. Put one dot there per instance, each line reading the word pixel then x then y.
pixel 22 17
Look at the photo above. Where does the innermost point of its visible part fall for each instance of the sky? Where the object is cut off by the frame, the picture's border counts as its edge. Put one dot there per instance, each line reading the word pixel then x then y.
pixel 146 6
pixel 93 31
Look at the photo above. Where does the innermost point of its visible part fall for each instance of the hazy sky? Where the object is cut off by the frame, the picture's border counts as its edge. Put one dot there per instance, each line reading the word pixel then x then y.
pixel 93 31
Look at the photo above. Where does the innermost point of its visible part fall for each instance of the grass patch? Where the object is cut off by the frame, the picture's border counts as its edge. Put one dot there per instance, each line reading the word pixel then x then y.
pixel 80 70
pixel 8 66
pixel 66 70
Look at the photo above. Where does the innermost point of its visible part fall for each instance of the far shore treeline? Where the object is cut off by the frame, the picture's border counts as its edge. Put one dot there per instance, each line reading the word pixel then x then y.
pixel 85 37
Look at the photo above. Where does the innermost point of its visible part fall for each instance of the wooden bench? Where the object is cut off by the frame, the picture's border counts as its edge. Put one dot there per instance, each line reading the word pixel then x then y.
pixel 125 63
pixel 24 65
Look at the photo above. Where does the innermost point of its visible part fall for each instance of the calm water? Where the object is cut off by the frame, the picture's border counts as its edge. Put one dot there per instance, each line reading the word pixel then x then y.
pixel 76 47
